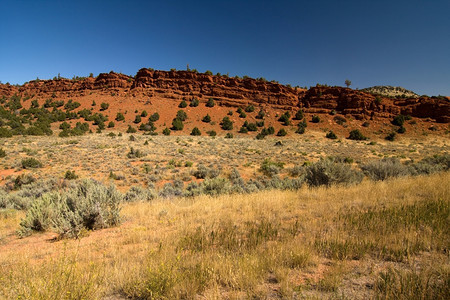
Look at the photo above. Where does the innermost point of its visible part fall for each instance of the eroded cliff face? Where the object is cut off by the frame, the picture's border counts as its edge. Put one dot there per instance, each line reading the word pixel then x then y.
pixel 234 92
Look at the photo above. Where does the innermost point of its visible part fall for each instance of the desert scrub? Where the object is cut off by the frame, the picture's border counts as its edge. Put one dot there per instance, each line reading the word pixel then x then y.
pixel 328 172
pixel 138 193
pixel 384 169
pixel 135 153
pixel 270 168
pixel 86 205
pixel 31 163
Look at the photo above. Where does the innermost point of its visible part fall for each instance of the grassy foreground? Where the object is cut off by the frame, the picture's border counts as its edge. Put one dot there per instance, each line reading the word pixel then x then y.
pixel 387 240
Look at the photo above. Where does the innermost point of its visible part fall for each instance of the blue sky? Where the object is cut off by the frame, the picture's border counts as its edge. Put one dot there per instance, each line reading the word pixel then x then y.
pixel 396 42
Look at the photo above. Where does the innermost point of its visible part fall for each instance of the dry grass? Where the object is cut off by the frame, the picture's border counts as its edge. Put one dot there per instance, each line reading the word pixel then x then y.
pixel 370 240
pixel 165 157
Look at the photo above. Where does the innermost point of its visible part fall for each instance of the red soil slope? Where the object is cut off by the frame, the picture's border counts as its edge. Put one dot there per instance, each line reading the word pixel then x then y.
pixel 162 91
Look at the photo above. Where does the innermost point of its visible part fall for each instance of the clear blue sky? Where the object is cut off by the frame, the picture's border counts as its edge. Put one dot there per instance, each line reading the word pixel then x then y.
pixel 398 42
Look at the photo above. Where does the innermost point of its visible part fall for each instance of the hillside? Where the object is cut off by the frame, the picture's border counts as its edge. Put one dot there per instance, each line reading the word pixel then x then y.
pixel 339 109
pixel 390 91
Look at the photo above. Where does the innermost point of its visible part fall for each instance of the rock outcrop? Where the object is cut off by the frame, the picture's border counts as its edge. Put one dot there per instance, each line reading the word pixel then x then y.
pixel 235 91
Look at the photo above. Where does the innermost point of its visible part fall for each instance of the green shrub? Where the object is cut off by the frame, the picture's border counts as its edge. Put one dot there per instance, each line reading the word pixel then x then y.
pixel 137 119
pixel 229 135
pixel 260 136
pixel 70 175
pixel 270 168
pixel 282 132
pixel 252 127
pixel 154 117
pixel 261 114
pixel 299 115
pixel 195 131
pixel 135 153
pixel 70 105
pixel 166 131
pixel 144 113
pixel 4 132
pixel 315 119
pixel 285 118
pixel 243 129
pixel 120 117
pixel 64 126
pixel 210 103
pixel 182 104
pixel 226 124
pixel 104 106
pixel 181 115
pixel 401 130
pixel 331 135
pixel 31 163
pixel 301 128
pixel 391 136
pixel 194 102
pixel 177 124
pixel 398 120
pixel 250 108
pixel 328 172
pixel 211 133
pixel 111 124
pixel 206 118
pixel 131 129
pixel 356 135
pixel 147 127
pixel 2 153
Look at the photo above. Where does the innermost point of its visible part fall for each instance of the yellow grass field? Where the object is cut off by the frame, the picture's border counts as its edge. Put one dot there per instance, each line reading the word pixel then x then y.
pixel 387 240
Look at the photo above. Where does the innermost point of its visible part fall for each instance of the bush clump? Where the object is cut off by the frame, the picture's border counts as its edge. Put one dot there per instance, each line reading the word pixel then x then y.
pixel 385 168
pixel 226 124
pixel 328 172
pixel 282 132
pixel 210 103
pixel 135 153
pixel 331 135
pixel 31 163
pixel 138 193
pixel 206 118
pixel 299 115
pixel 86 205
pixel 285 119
pixel 195 131
pixel 270 168
pixel 356 135
pixel 177 124
pixel 194 102
pixel 391 136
